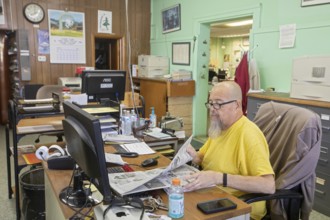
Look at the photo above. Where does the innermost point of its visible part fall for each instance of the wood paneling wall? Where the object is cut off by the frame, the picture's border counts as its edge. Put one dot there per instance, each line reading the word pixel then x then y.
pixel 47 73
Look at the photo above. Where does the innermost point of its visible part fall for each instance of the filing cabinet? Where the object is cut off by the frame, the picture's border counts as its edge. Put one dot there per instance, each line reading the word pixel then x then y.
pixel 322 191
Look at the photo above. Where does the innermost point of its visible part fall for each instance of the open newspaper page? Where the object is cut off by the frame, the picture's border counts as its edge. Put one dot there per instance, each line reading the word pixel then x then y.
pixel 140 181
pixel 181 157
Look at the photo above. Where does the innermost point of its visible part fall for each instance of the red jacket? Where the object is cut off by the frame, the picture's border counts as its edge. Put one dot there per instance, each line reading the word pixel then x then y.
pixel 242 79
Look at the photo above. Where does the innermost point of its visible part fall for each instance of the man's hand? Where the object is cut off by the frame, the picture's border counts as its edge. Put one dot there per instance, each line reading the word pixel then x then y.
pixel 191 151
pixel 203 179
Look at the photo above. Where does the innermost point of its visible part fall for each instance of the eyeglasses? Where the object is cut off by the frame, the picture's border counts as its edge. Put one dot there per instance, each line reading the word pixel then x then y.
pixel 216 105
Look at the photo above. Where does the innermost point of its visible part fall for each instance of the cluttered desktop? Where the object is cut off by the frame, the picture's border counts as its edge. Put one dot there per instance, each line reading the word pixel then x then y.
pixel 122 176
pixel 110 169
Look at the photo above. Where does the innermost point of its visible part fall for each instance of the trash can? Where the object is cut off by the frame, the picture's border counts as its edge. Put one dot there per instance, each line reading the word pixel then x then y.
pixel 33 194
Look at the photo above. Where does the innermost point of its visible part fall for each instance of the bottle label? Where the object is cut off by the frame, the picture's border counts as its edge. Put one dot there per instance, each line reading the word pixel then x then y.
pixel 176 206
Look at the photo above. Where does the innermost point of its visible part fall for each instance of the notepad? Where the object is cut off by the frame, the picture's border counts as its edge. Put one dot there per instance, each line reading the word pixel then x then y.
pixel 140 148
pixel 31 158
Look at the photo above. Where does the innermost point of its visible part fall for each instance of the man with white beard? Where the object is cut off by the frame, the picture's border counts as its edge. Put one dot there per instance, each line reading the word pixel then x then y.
pixel 236 154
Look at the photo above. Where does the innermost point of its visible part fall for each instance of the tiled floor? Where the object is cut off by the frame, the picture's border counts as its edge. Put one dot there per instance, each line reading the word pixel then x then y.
pixel 7 206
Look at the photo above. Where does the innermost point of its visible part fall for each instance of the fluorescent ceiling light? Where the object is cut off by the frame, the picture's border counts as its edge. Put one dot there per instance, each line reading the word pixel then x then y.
pixel 239 23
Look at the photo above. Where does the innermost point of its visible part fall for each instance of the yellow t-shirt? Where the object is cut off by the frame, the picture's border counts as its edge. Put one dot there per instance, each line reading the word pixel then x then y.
pixel 240 150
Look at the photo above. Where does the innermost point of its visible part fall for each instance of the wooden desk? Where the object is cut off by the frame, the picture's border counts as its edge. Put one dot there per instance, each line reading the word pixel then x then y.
pixel 56 210
pixel 44 123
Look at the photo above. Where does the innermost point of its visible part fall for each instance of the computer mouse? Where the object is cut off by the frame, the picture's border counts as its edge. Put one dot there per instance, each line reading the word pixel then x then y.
pixel 149 162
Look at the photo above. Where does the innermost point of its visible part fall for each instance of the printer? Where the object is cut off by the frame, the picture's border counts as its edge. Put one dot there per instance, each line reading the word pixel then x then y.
pixel 74 83
pixel 311 78
pixel 152 66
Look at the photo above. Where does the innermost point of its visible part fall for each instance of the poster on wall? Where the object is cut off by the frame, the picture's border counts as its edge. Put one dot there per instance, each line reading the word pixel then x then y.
pixel 104 22
pixel 2 13
pixel 43 41
pixel 67 36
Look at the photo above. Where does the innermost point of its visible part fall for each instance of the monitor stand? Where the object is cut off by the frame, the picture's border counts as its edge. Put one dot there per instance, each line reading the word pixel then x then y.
pixel 76 196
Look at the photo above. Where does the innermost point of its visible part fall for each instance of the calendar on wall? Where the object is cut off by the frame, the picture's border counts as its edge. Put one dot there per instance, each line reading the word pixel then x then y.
pixel 67 37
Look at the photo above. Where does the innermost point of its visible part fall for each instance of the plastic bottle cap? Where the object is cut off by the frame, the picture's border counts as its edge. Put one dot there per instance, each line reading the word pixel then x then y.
pixel 176 181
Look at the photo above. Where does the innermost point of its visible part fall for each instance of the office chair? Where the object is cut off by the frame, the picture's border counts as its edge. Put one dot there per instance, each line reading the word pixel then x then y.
pixel 45 92
pixel 30 90
pixel 294 137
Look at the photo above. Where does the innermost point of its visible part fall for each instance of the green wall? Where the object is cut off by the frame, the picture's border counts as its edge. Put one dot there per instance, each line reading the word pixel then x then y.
pixel 312 38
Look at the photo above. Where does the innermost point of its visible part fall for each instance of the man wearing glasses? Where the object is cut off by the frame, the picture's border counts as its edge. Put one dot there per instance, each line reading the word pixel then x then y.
pixel 236 153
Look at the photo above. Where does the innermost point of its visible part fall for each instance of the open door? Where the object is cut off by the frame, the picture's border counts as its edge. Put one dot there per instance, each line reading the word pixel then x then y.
pixel 108 52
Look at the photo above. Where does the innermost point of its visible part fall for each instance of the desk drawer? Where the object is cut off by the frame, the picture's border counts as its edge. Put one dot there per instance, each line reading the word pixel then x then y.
pixel 182 88
pixel 324 114
pixel 253 106
pixel 323 164
pixel 322 193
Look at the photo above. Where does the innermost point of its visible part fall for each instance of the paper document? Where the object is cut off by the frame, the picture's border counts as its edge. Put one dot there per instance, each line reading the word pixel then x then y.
pixel 81 99
pixel 34 129
pixel 114 158
pixel 287 36
pixel 43 108
pixel 140 147
pixel 120 139
pixel 159 178
pixel 107 119
pixel 100 110
pixel 36 101
pixel 158 135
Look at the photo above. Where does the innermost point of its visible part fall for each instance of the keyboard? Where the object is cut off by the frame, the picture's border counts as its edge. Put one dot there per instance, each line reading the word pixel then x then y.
pixel 120 169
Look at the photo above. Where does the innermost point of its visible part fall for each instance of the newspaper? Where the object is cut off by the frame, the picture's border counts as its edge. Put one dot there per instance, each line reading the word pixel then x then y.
pixel 159 178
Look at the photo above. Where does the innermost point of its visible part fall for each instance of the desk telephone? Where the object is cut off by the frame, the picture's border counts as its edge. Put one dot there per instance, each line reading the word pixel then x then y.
pixel 57 158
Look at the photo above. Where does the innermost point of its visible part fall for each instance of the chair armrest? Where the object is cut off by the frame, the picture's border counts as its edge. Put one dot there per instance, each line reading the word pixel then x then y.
pixel 279 194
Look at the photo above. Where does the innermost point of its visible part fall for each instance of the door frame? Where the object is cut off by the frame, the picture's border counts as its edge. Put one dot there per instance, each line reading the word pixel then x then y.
pixel 200 74
pixel 120 48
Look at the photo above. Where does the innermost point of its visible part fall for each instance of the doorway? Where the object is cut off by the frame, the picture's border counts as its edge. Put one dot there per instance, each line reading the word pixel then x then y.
pixel 206 41
pixel 228 41
pixel 108 52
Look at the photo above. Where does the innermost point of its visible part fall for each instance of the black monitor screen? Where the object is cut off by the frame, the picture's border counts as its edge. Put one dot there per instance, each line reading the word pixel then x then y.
pixel 84 143
pixel 104 85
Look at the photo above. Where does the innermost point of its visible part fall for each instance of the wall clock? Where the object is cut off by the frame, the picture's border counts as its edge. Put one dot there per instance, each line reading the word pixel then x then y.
pixel 34 13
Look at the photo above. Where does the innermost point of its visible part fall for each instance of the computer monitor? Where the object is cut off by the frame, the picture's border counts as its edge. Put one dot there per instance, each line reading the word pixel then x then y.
pixel 85 145
pixel 104 85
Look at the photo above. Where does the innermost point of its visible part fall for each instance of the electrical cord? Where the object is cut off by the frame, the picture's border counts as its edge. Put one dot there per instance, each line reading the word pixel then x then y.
pixel 129 53
pixel 87 204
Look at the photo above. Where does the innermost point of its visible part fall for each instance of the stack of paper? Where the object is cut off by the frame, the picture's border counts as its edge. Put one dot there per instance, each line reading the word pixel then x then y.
pixel 140 148
pixel 119 139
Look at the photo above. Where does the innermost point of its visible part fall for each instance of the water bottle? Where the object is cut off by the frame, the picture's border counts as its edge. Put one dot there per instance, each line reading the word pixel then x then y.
pixel 176 199
pixel 153 118
pixel 126 125
pixel 133 118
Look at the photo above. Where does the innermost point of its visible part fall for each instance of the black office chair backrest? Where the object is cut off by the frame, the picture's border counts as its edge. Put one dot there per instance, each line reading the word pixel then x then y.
pixel 30 90
pixel 294 138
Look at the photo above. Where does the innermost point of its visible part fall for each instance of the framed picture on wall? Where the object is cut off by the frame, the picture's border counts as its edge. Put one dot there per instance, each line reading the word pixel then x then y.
pixel 313 2
pixel 2 13
pixel 171 19
pixel 181 53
